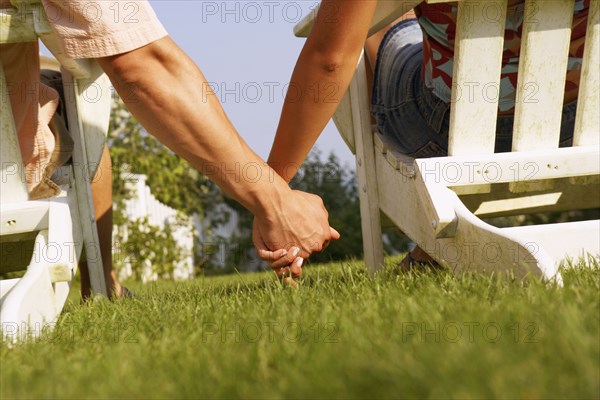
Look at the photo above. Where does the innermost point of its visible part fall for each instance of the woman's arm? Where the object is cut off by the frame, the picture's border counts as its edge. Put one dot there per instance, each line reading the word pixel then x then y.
pixel 320 79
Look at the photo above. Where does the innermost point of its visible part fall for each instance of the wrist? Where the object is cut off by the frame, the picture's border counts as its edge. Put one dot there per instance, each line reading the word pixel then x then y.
pixel 266 199
pixel 284 167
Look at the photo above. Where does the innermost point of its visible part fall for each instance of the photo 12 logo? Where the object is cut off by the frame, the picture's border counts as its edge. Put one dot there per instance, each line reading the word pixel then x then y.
pixel 271 331
pixel 468 332
pixel 69 332
pixel 253 12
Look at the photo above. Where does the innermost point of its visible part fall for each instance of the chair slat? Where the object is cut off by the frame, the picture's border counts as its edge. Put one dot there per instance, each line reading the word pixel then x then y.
pixel 587 124
pixel 542 73
pixel 387 11
pixel 476 76
pixel 343 122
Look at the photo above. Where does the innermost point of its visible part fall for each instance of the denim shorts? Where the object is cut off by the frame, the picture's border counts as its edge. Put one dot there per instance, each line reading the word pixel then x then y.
pixel 412 116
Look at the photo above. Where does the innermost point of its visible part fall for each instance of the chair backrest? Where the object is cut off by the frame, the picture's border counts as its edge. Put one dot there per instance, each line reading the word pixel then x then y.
pixel 28 22
pixel 541 78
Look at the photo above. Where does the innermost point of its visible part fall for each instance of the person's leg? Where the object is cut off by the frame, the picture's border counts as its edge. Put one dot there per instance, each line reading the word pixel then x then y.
pixel 373 42
pixel 102 197
pixel 372 48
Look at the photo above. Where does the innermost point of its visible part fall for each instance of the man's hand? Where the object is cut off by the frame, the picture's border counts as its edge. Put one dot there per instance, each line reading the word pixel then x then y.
pixel 289 235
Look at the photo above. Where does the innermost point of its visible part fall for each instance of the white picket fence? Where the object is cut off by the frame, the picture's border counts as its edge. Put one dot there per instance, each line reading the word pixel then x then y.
pixel 144 205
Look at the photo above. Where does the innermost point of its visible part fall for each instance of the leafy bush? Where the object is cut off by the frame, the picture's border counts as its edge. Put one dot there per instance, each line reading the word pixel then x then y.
pixel 147 249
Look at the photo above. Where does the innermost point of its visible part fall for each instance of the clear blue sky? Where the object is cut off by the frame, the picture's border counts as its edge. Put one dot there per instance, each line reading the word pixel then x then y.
pixel 248 49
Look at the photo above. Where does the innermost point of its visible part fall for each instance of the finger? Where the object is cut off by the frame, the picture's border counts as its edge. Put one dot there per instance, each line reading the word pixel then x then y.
pixel 285 276
pixel 286 260
pixel 261 247
pixel 335 235
pixel 278 264
pixel 284 272
pixel 290 282
pixel 270 256
pixel 296 267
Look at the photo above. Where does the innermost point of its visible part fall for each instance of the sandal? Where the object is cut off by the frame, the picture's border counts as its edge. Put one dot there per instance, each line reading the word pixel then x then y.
pixel 127 294
pixel 409 263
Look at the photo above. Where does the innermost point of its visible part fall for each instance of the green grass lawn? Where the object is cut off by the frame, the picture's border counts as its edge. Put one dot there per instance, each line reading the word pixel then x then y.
pixel 340 335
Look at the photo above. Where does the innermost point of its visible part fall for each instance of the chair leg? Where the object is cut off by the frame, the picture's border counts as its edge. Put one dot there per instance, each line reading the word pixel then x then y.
pixel 367 174
pixel 473 245
pixel 371 227
pixel 30 306
pixel 82 184
pixel 478 246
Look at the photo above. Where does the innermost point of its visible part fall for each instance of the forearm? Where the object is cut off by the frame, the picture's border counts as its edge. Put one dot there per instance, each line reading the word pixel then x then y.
pixel 311 101
pixel 170 97
pixel 320 79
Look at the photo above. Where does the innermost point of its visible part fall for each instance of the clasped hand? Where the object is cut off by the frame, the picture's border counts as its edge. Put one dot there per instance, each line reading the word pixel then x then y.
pixel 287 236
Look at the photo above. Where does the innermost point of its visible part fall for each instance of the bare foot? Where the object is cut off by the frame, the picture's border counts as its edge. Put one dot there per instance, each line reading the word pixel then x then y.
pixel 113 287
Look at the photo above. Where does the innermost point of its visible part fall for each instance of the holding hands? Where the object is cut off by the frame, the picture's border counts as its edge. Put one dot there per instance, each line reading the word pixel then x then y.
pixel 328 60
pixel 288 234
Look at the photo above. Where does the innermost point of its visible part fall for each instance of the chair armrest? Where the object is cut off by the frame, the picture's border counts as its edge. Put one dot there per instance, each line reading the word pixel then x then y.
pixel 29 22
pixel 16 27
pixel 387 12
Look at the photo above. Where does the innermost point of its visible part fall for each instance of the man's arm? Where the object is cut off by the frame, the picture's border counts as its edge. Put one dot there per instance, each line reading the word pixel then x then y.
pixel 170 97
pixel 320 79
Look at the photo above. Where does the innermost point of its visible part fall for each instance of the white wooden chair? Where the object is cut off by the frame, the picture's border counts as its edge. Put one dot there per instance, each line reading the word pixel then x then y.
pixel 438 202
pixel 47 237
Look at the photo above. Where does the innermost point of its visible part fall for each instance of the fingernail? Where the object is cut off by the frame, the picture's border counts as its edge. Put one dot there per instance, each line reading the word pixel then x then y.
pixel 295 251
pixel 283 253
pixel 299 261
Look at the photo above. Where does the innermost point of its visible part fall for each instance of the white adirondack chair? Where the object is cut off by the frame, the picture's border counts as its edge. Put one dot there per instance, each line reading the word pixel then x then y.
pixel 47 237
pixel 438 202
